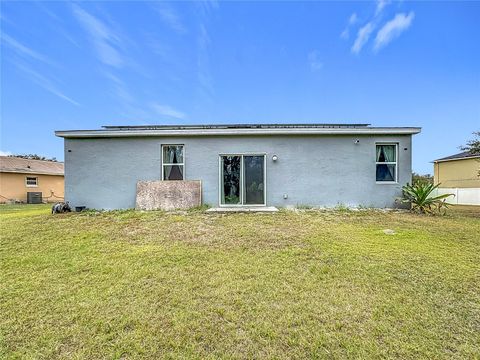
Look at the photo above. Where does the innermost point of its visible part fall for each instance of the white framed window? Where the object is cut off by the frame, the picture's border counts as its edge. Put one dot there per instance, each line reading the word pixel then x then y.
pixel 173 162
pixel 31 181
pixel 386 163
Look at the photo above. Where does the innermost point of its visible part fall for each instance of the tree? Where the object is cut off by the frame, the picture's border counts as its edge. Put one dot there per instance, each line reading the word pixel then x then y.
pixel 421 179
pixel 33 157
pixel 473 146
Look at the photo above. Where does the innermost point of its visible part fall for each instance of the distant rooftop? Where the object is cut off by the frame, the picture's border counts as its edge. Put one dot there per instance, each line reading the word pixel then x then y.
pixel 111 131
pixel 459 156
pixel 12 164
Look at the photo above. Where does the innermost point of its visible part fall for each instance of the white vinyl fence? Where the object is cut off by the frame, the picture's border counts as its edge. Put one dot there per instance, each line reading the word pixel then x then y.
pixel 463 196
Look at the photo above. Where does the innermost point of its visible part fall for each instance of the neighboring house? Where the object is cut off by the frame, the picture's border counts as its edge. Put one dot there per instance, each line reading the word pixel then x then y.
pixel 459 174
pixel 242 165
pixel 19 176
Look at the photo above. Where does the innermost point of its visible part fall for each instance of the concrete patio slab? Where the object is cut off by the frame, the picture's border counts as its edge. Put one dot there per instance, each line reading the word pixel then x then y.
pixel 237 209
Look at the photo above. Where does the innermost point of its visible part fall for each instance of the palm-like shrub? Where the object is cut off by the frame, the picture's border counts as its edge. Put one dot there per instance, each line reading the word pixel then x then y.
pixel 421 200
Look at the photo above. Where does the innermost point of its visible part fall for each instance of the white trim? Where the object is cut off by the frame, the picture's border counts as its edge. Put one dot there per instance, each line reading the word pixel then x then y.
pixel 219 180
pixel 242 178
pixel 387 163
pixel 32 177
pixel 242 185
pixel 172 164
pixel 238 131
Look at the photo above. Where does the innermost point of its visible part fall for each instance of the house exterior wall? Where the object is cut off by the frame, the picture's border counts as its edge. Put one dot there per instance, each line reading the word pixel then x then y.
pixel 461 173
pixel 317 170
pixel 13 187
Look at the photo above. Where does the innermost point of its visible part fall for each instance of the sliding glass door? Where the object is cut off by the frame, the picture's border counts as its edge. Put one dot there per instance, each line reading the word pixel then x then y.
pixel 242 180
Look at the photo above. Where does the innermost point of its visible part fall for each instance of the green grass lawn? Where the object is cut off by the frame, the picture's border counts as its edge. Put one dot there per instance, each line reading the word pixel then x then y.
pixel 307 284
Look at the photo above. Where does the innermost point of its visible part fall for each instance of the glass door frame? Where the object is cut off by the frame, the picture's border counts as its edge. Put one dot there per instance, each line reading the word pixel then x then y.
pixel 242 184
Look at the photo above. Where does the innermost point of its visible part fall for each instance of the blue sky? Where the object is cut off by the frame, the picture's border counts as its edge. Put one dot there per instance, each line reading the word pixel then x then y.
pixel 80 65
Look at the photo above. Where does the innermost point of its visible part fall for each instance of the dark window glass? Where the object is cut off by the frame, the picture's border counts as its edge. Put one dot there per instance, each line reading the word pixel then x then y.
pixel 173 172
pixel 32 181
pixel 231 166
pixel 386 153
pixel 385 172
pixel 254 182
pixel 173 154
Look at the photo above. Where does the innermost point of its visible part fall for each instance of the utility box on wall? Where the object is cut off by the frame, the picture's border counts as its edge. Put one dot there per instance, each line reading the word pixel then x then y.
pixel 168 195
pixel 34 197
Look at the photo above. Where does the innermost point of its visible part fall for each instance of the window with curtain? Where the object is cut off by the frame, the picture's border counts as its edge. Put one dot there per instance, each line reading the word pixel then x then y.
pixel 386 162
pixel 173 166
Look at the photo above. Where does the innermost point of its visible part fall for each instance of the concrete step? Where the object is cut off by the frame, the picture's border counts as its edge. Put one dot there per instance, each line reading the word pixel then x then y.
pixel 242 209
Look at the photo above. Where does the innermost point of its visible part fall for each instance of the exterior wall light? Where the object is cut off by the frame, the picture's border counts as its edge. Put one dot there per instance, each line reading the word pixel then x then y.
pixel 356 141
pixel 274 157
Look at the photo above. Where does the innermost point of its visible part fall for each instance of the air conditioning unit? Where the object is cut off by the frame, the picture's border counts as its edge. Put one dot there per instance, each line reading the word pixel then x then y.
pixel 34 197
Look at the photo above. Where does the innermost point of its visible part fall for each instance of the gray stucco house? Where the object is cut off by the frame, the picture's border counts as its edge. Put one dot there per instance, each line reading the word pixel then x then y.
pixel 242 165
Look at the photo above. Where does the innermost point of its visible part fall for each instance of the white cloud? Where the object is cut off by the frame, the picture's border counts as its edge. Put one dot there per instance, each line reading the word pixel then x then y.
pixel 206 7
pixel 45 83
pixel 105 41
pixel 393 29
pixel 380 6
pixel 39 78
pixel 345 34
pixel 121 91
pixel 362 37
pixel 353 19
pixel 168 111
pixel 314 61
pixel 57 23
pixel 205 83
pixel 24 50
pixel 170 17
pixel 204 77
pixel 5 153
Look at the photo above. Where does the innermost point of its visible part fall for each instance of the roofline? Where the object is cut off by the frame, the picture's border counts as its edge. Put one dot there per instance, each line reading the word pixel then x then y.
pixel 145 132
pixel 26 159
pixel 31 172
pixel 231 126
pixel 462 158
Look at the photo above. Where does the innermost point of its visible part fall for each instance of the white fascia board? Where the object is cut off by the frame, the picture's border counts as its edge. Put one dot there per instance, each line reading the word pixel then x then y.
pixel 235 132
pixel 456 159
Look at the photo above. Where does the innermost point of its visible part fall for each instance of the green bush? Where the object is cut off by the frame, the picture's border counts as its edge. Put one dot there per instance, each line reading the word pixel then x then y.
pixel 420 198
